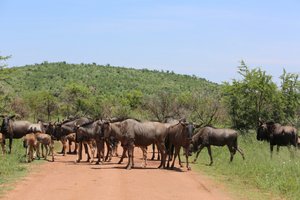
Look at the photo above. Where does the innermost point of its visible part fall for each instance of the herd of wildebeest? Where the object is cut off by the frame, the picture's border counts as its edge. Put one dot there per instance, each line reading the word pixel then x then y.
pixel 97 135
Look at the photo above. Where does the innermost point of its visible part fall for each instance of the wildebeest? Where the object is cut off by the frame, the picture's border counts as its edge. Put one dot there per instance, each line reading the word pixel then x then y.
pixel 70 138
pixel 30 145
pixel 132 133
pixel 44 140
pixel 207 136
pixel 179 135
pixel 16 129
pixel 60 130
pixel 2 143
pixel 277 134
pixel 88 132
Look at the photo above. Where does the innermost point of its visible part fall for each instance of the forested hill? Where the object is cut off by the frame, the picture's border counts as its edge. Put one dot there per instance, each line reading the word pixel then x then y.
pixel 101 79
pixel 48 90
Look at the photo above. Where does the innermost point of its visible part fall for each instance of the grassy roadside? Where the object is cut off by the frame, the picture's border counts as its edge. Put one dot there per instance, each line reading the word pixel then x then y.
pixel 13 167
pixel 257 177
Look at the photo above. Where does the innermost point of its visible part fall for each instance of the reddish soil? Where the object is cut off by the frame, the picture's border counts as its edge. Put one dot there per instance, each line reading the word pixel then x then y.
pixel 64 179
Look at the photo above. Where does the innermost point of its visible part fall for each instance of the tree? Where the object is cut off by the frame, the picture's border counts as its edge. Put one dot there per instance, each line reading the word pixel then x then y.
pixel 163 105
pixel 3 58
pixel 75 99
pixel 251 98
pixel 42 103
pixel 290 95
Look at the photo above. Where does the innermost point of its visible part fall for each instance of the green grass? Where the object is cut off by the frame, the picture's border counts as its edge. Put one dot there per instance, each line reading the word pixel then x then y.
pixel 257 177
pixel 13 166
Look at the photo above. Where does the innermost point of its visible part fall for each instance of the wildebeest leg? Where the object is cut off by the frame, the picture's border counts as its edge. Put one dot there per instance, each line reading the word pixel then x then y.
pixel 241 152
pixel 38 150
pixel 99 146
pixel 271 150
pixel 76 147
pixel 3 148
pixel 52 150
pixel 169 153
pixel 42 147
pixel 162 149
pixel 198 152
pixel 175 155
pixel 179 159
pixel 30 158
pixel 92 148
pixel 277 149
pixel 123 154
pixel 153 151
pixel 70 144
pixel 86 149
pixel 10 144
pixel 109 151
pixel 46 147
pixel 130 156
pixel 158 154
pixel 115 149
pixel 232 151
pixel 79 152
pixel 64 145
pixel 3 145
pixel 209 153
pixel 187 159
pixel 144 163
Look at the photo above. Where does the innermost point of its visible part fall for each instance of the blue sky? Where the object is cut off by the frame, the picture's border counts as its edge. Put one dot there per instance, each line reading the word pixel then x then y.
pixel 204 38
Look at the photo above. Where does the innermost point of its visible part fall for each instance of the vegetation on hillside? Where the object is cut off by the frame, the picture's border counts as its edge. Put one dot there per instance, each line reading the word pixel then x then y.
pixel 49 90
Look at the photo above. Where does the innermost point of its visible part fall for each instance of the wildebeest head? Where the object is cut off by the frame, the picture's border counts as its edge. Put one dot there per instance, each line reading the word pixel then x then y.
pixel 105 129
pixel 262 132
pixel 54 129
pixel 6 123
pixel 188 129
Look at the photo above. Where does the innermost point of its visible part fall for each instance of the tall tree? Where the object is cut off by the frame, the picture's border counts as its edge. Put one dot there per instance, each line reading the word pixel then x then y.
pixel 290 95
pixel 251 98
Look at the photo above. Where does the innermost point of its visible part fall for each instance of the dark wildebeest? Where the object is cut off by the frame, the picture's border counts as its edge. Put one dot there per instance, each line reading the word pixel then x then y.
pixel 88 132
pixel 133 133
pixel 207 136
pixel 179 135
pixel 277 134
pixel 17 129
pixel 60 130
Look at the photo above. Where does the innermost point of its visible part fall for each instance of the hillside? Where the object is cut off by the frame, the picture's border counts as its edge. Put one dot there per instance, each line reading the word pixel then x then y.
pixel 61 89
pixel 103 79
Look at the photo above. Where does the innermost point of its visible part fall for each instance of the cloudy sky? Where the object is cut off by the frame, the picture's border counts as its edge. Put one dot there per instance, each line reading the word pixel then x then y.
pixel 204 38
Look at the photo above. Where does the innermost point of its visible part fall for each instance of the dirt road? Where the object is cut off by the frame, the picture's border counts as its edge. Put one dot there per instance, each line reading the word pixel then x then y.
pixel 66 180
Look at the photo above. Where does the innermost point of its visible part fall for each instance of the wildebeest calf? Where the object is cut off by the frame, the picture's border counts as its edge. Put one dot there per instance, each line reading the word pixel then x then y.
pixel 30 143
pixel 46 141
pixel 207 136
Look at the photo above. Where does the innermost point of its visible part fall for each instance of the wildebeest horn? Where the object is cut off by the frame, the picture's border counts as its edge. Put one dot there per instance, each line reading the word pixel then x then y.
pixel 11 117
pixel 2 116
